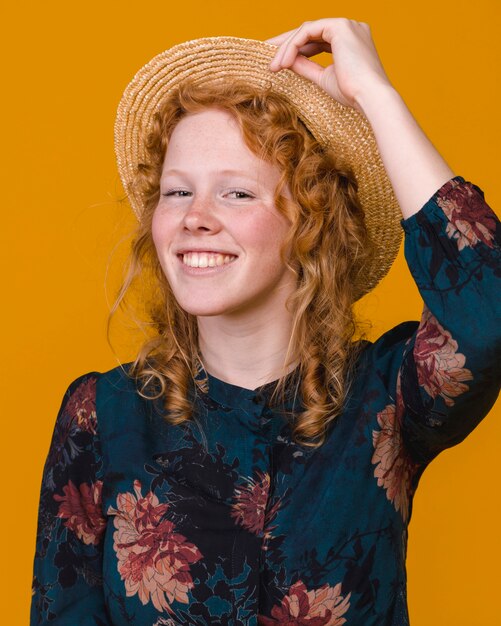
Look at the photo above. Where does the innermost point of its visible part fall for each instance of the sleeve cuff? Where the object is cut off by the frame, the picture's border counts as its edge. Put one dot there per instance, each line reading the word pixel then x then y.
pixel 431 207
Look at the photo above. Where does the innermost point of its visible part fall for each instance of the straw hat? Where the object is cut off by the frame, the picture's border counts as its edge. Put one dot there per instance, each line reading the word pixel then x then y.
pixel 343 129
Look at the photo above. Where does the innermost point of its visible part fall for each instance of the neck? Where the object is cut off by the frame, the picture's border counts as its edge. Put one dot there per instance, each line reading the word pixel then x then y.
pixel 248 350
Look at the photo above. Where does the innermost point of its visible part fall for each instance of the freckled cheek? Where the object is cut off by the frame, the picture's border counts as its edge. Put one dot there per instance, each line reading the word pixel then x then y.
pixel 265 233
pixel 162 253
pixel 155 230
pixel 161 234
pixel 272 238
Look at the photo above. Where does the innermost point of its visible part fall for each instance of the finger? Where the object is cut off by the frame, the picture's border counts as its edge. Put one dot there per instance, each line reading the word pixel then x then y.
pixel 276 41
pixel 318 31
pixel 307 33
pixel 285 38
pixel 309 50
pixel 308 69
pixel 279 39
pixel 314 47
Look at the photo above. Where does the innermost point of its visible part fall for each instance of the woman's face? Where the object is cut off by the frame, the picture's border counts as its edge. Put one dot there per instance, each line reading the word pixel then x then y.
pixel 216 229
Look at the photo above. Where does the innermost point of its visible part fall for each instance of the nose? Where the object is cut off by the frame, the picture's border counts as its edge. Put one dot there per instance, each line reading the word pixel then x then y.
pixel 200 216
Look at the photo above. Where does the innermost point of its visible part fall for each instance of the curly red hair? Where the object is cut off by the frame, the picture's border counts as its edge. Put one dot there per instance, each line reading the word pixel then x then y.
pixel 329 247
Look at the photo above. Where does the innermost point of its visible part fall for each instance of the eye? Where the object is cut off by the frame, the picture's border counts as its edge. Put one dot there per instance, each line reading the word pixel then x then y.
pixel 175 192
pixel 240 195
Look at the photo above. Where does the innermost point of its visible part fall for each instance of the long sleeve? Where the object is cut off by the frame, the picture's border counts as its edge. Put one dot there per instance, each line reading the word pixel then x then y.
pixel 67 582
pixel 449 376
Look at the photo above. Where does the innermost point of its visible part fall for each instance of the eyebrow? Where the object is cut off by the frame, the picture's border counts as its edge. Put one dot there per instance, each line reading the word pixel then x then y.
pixel 225 172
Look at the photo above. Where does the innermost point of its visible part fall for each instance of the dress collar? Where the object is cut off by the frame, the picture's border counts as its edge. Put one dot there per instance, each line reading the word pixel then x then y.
pixel 237 397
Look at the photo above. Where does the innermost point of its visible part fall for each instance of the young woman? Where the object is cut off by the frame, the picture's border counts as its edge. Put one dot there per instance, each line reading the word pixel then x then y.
pixel 256 464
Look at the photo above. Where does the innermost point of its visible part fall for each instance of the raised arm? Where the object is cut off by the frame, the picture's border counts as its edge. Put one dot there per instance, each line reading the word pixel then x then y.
pixel 357 79
pixel 443 376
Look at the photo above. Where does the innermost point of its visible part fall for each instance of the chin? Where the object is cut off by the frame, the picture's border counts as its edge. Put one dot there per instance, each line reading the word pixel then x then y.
pixel 206 309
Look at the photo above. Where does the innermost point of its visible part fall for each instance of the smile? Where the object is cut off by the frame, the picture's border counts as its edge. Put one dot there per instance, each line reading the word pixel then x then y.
pixel 206 259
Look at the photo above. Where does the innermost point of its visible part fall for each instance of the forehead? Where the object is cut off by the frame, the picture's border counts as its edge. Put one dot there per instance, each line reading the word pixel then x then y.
pixel 212 140
pixel 212 126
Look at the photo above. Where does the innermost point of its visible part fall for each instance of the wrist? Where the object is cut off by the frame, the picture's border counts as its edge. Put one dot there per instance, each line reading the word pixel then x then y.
pixel 376 97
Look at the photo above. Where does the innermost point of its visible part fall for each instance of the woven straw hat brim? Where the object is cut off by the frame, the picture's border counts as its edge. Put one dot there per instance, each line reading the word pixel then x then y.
pixel 342 129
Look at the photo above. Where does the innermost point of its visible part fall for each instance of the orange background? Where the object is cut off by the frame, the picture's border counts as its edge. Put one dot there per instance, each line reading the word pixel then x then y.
pixel 67 65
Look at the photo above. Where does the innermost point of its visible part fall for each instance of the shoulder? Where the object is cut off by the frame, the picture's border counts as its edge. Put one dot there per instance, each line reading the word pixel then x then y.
pixel 389 343
pixel 395 336
pixel 117 379
pixel 96 393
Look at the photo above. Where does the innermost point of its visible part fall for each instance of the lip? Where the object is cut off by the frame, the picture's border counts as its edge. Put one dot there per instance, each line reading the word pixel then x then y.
pixel 206 250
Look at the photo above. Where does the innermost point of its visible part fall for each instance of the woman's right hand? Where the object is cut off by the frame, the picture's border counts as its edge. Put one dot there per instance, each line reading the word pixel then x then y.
pixel 356 66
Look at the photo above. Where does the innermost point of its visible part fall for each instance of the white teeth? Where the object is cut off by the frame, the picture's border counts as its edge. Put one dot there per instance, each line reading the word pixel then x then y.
pixel 206 259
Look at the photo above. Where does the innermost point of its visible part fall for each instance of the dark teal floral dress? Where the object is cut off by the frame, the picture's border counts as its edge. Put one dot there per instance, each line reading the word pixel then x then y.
pixel 226 520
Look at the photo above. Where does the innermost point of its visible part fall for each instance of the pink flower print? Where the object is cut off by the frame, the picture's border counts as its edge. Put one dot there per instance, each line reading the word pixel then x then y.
pixel 81 508
pixel 319 607
pixel 394 468
pixel 81 406
pixel 440 367
pixel 153 559
pixel 250 502
pixel 470 220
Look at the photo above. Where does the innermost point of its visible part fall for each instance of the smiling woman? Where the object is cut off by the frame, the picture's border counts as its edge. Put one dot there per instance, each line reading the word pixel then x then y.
pixel 241 224
pixel 257 462
pixel 274 239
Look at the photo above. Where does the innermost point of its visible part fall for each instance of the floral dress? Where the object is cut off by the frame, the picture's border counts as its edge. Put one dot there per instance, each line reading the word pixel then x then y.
pixel 225 520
